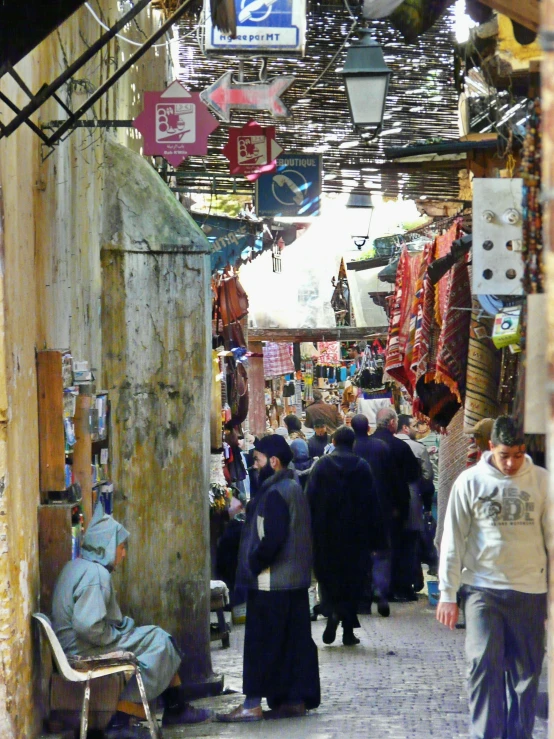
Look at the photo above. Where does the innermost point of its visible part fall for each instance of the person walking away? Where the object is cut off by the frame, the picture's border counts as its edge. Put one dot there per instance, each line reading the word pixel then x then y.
pixel 88 622
pixel 275 562
pixel 294 428
pixel 320 440
pixel 381 462
pixel 319 410
pixel 494 547
pixel 301 460
pixel 347 524
pixel 404 471
pixel 413 530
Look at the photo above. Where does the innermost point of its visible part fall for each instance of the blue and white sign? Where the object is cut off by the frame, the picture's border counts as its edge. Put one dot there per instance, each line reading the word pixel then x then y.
pixel 271 26
pixel 294 189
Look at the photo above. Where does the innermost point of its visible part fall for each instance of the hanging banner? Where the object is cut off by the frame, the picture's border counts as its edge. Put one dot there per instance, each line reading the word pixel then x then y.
pixel 271 26
pixel 175 124
pixel 294 189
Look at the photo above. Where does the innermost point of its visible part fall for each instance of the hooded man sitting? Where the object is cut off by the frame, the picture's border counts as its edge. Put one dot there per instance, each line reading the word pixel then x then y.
pixel 88 622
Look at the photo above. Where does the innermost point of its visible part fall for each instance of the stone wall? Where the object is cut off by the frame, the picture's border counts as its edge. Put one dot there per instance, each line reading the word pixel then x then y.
pixel 50 297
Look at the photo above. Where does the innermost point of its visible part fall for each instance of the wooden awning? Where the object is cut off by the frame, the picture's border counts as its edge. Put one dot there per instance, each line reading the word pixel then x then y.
pixel 299 335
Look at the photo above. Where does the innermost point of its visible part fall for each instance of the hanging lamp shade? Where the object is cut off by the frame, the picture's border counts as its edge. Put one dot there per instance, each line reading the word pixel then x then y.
pixel 366 80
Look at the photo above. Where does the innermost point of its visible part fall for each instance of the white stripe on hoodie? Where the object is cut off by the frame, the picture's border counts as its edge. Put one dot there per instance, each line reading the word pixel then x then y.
pixel 495 530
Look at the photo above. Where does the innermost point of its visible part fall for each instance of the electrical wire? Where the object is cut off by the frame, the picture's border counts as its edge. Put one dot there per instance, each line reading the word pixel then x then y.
pixel 123 38
pixel 333 60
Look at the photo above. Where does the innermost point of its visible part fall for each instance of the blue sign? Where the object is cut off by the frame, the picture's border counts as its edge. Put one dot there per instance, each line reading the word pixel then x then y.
pixel 294 189
pixel 232 239
pixel 269 25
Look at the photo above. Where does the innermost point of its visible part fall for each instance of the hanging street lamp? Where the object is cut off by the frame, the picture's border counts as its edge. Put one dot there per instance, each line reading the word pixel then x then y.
pixel 366 79
pixel 360 210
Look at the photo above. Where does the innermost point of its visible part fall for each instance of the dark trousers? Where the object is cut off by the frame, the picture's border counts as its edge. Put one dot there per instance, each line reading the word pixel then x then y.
pixel 504 650
pixel 381 573
pixel 405 559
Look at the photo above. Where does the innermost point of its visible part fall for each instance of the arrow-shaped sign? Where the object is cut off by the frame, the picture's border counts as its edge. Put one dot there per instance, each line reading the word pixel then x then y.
pixel 224 96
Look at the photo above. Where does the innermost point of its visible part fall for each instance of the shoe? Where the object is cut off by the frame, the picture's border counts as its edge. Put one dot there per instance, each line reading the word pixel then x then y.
pixel 383 608
pixel 349 639
pixel 330 633
pixel 240 714
pixel 186 714
pixel 286 710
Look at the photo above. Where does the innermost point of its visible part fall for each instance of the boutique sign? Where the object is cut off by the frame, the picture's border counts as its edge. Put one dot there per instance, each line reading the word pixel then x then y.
pixel 271 26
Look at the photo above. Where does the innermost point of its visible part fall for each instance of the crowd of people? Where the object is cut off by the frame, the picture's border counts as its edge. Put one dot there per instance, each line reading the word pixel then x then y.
pixel 346 506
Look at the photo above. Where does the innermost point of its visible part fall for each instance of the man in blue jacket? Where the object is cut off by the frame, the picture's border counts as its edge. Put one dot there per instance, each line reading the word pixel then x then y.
pixel 275 563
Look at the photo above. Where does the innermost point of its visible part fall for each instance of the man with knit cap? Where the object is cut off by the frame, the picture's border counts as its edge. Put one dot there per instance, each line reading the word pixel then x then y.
pixel 88 622
pixel 275 564
pixel 494 547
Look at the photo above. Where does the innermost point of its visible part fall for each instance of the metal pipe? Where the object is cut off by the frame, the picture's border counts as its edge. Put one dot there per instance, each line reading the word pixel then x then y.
pixel 133 59
pixel 44 93
pixel 106 123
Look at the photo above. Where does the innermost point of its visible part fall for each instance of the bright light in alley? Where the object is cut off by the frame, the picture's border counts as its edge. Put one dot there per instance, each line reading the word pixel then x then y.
pixel 462 22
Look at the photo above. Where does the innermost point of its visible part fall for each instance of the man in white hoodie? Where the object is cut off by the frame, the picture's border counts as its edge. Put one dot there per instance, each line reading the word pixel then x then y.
pixel 494 549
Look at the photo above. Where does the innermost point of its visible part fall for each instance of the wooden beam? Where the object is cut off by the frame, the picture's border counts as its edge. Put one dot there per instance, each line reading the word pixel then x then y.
pixel 340 333
pixel 525 12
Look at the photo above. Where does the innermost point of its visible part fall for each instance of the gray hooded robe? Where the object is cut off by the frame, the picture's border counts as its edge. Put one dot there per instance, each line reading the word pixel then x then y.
pixel 88 621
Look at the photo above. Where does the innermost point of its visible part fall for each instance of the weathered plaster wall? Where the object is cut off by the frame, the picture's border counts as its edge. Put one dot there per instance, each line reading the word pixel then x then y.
pixel 50 268
pixel 157 356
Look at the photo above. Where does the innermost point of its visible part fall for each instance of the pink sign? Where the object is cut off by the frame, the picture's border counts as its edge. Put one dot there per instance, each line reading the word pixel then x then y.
pixel 175 124
pixel 252 150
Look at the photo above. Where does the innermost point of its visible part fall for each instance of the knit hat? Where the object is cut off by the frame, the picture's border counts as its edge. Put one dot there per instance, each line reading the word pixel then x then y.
pixel 275 446
pixel 481 432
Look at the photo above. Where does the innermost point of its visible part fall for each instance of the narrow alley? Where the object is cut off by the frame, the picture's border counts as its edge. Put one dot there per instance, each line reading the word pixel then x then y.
pixel 405 679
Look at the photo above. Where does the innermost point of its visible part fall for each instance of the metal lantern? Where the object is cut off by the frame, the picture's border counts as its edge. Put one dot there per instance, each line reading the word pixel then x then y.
pixel 366 79
pixel 360 209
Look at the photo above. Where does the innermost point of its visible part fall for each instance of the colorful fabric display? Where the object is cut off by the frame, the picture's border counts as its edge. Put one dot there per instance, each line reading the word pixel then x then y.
pixel 277 359
pixel 329 352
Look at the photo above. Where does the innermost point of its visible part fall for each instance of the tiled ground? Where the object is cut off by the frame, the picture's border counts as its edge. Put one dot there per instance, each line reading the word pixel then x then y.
pixel 404 681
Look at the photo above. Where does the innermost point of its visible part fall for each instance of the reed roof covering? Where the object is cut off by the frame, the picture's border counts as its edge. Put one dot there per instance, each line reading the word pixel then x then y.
pixel 421 104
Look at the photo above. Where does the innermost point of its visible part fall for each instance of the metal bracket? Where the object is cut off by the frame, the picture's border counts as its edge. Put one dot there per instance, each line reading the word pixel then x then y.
pixel 47 91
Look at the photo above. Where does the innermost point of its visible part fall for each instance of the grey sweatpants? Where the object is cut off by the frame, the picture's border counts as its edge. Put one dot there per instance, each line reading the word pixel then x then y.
pixel 504 650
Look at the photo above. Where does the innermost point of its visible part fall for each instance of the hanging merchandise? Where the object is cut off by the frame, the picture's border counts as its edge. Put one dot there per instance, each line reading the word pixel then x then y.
pixel 308 351
pixel 237 390
pixel 533 272
pixel 277 359
pixel 329 352
pixel 229 307
pixel 507 327
pixel 369 375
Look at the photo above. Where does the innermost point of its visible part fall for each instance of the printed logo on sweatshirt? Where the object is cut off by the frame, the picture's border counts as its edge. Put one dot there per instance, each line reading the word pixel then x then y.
pixel 512 507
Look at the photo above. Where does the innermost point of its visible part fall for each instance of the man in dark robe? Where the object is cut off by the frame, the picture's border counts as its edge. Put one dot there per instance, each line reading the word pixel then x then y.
pixel 275 562
pixel 381 462
pixel 347 524
pixel 405 470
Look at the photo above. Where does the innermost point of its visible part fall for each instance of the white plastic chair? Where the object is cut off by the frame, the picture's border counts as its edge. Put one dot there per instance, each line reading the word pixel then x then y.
pixel 85 669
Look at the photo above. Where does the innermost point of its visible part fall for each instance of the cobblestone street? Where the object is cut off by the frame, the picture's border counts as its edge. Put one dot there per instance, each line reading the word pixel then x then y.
pixel 405 679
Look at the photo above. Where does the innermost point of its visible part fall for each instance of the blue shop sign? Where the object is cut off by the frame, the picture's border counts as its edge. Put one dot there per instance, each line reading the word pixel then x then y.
pixel 294 189
pixel 273 26
pixel 231 238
